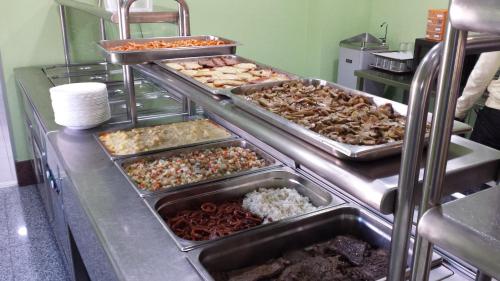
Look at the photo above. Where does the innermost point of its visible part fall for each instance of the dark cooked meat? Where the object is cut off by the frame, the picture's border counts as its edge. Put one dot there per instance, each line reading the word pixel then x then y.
pixel 375 267
pixel 312 269
pixel 260 272
pixel 350 248
pixel 333 260
pixel 295 256
pixel 341 116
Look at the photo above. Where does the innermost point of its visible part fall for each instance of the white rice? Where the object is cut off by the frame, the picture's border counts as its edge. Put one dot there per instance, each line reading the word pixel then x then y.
pixel 276 204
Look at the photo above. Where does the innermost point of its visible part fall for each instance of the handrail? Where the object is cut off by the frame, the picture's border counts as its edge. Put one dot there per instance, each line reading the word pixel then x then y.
pixel 135 17
pixel 124 18
pixel 413 145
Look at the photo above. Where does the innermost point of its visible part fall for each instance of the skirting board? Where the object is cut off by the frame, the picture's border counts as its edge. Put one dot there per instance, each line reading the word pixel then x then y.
pixel 8 184
pixel 25 173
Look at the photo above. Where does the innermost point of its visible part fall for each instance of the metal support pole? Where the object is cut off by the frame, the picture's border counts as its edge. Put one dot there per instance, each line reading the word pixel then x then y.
pixel 128 75
pixel 410 162
pixel 64 32
pixel 102 24
pixel 412 147
pixel 442 123
pixel 183 21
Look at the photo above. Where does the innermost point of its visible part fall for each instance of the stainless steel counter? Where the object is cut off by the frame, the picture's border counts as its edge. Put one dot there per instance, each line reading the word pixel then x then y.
pixel 468 228
pixel 118 236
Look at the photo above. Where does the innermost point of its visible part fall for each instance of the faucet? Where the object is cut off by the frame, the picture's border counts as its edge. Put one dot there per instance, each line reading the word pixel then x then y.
pixel 384 39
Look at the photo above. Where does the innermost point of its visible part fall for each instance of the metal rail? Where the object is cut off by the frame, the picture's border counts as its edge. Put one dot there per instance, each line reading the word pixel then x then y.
pixel 448 84
pixel 179 17
pixel 124 18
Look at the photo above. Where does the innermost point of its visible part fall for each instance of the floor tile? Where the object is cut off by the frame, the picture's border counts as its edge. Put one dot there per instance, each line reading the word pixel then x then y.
pixel 4 231
pixel 26 217
pixel 38 262
pixel 28 250
pixel 5 265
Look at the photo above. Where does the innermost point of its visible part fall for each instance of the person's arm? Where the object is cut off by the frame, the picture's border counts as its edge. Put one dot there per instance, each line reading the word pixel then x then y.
pixel 479 79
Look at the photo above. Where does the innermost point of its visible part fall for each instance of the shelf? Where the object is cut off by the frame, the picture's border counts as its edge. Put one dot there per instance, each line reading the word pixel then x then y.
pixel 468 228
pixel 138 17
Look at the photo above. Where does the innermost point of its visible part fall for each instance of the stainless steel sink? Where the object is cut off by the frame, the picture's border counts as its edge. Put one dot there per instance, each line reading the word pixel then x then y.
pixel 364 41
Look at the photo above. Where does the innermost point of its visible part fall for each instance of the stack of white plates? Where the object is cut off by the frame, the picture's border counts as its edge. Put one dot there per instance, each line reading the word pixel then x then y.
pixel 80 105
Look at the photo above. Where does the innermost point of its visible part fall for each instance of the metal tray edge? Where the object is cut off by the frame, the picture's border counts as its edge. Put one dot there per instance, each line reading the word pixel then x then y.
pixel 113 157
pixel 273 163
pixel 162 64
pixel 340 150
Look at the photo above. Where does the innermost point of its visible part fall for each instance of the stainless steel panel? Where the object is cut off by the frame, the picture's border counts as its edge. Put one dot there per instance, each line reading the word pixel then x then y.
pixel 270 161
pixel 142 56
pixel 264 244
pixel 468 228
pixel 236 188
pixel 174 120
pixel 206 87
pixel 477 16
pixel 338 149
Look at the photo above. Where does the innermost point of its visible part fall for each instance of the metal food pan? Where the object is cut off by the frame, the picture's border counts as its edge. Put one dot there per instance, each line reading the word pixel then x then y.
pixel 236 188
pixel 185 118
pixel 215 91
pixel 265 244
pixel 270 161
pixel 148 55
pixel 338 149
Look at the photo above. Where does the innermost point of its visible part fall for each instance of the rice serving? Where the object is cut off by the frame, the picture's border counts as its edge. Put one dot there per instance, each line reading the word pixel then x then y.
pixel 276 204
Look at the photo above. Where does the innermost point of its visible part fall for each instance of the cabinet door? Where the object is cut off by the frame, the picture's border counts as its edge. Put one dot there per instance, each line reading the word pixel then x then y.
pixel 59 225
pixel 41 178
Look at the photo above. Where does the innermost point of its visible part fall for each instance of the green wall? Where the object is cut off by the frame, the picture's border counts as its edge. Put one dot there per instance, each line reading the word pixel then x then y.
pixel 29 35
pixel 407 19
pixel 300 36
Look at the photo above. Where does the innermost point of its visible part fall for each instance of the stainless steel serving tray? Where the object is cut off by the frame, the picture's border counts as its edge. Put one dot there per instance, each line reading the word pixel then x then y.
pixel 264 244
pixel 235 188
pixel 270 161
pixel 148 55
pixel 207 88
pixel 338 149
pixel 185 118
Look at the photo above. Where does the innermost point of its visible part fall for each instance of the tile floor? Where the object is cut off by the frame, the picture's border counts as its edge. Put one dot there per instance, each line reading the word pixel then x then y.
pixel 28 250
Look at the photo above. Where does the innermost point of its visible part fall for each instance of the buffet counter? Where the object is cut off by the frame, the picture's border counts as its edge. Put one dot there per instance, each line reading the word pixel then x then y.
pixel 120 235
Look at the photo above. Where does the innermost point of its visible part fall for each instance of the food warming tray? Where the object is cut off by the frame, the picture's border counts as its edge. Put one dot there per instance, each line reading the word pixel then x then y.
pixel 270 161
pixel 236 188
pixel 215 91
pixel 263 244
pixel 338 149
pixel 184 118
pixel 148 55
